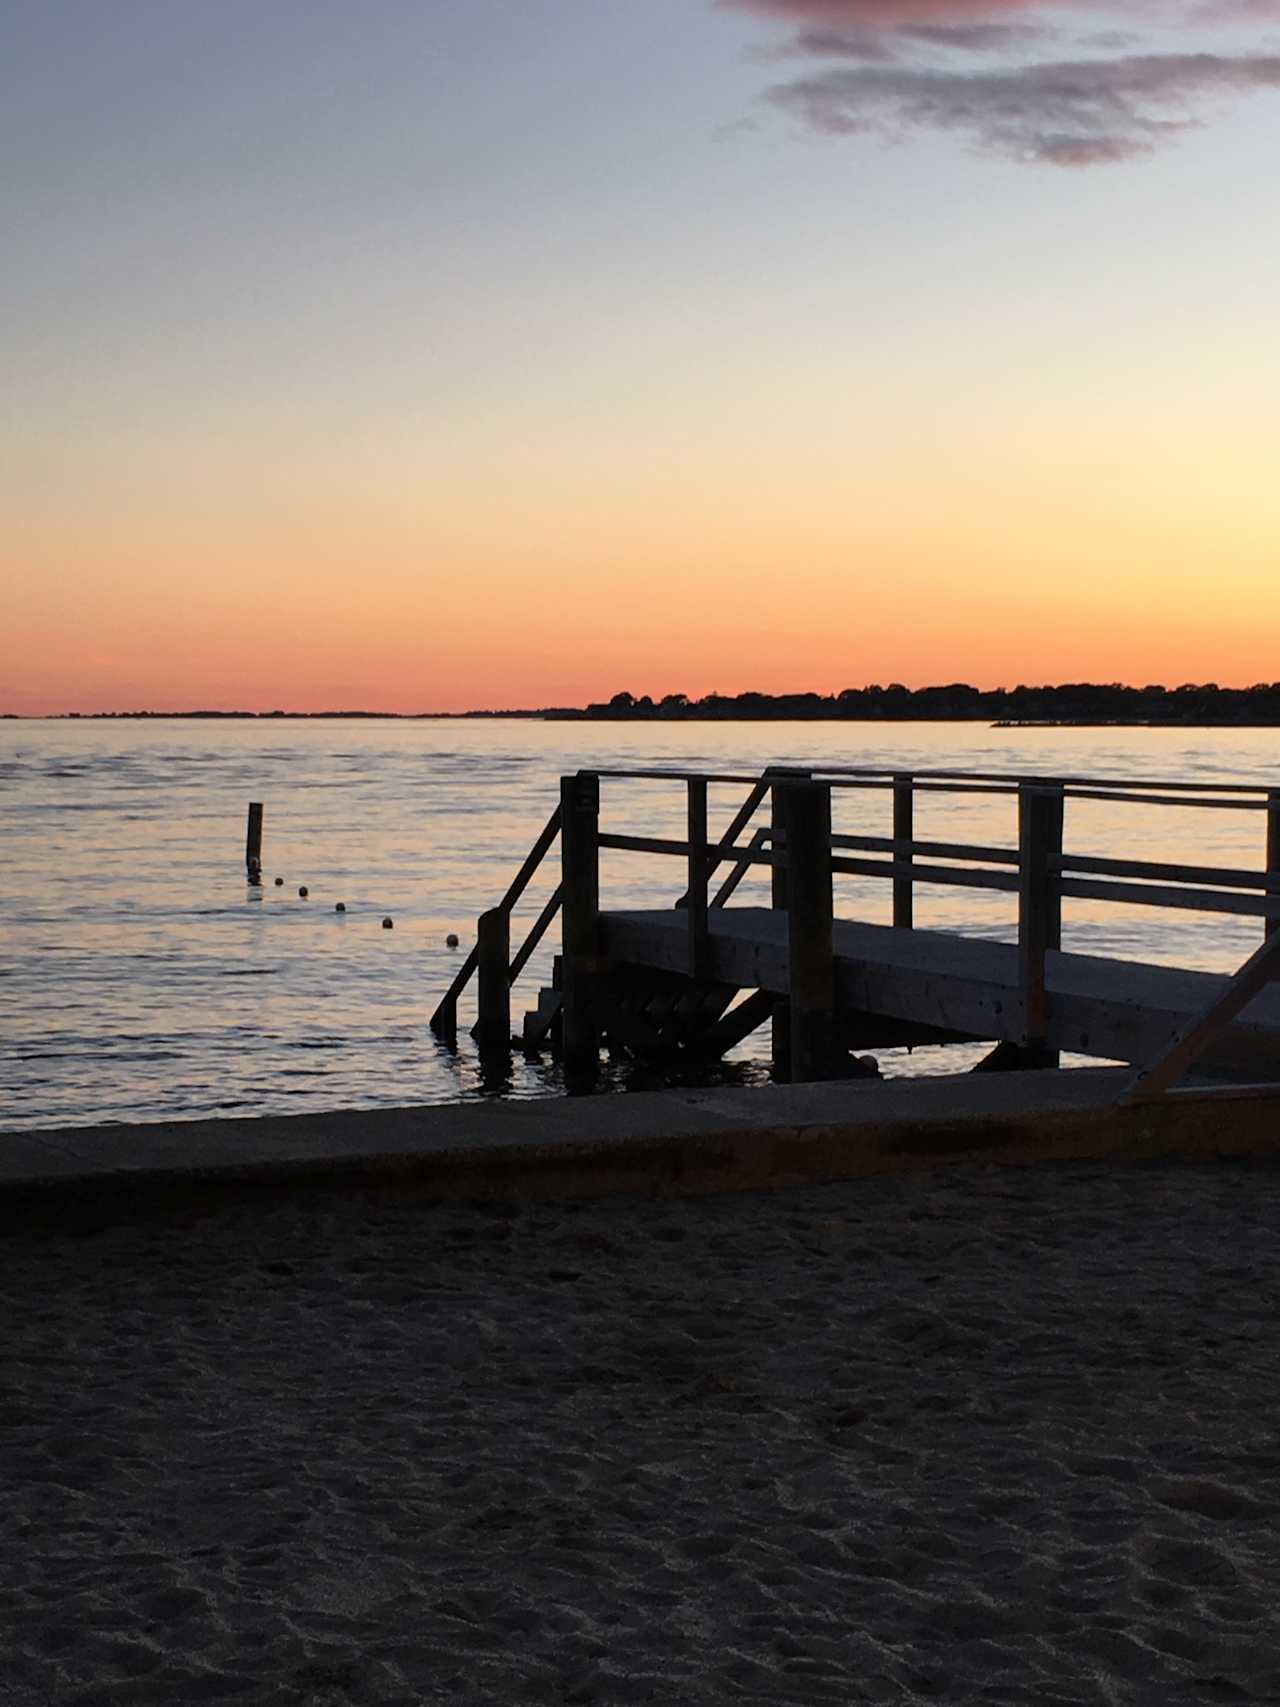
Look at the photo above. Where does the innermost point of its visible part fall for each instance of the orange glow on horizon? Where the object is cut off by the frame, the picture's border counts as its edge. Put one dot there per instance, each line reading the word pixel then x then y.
pixel 509 570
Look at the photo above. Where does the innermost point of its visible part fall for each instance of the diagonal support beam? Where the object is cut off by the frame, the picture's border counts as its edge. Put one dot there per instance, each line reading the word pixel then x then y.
pixel 1186 1048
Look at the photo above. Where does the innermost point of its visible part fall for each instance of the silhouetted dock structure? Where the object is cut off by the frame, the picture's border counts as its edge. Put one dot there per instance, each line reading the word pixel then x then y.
pixel 701 973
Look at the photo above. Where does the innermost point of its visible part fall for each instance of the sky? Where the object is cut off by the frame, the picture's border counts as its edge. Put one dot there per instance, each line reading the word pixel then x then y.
pixel 426 355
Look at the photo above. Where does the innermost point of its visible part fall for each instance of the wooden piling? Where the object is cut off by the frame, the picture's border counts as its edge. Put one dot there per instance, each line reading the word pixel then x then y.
pixel 253 842
pixel 903 831
pixel 696 893
pixel 1039 903
pixel 806 814
pixel 781 1022
pixel 580 878
pixel 1272 921
pixel 492 1030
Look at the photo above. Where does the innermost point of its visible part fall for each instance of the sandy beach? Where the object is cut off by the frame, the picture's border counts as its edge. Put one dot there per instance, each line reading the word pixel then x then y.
pixel 980 1435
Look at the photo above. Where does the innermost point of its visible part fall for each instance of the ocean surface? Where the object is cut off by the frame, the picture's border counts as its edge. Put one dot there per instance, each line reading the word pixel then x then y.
pixel 142 978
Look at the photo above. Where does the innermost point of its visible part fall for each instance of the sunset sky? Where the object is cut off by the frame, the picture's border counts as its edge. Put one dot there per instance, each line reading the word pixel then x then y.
pixel 433 354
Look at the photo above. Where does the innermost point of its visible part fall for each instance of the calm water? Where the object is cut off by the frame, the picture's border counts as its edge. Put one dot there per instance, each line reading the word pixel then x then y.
pixel 142 979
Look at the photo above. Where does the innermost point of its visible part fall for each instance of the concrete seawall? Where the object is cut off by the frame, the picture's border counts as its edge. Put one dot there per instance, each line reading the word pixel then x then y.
pixel 663 1142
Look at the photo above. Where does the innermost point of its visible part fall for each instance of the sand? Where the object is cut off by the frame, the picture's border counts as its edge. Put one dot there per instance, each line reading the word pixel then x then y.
pixel 981 1435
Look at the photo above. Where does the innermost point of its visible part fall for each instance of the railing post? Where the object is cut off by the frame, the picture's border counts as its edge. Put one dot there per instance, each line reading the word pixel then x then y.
pixel 806 815
pixel 903 831
pixel 1272 921
pixel 580 876
pixel 253 843
pixel 696 894
pixel 1039 901
pixel 492 1030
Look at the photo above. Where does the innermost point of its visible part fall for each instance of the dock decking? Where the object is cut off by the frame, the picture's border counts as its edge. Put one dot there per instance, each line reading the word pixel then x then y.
pixel 964 987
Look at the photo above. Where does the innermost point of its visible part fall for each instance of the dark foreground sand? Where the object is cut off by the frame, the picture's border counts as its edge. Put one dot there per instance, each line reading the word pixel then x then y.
pixel 980 1436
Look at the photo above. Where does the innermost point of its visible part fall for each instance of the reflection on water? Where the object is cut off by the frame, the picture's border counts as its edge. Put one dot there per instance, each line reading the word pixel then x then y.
pixel 142 978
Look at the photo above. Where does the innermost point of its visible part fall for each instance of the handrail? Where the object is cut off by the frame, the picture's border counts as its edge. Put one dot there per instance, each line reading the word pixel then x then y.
pixel 719 851
pixel 1068 781
pixel 1229 876
pixel 1192 900
pixel 536 934
pixel 741 867
pixel 445 1017
pixel 1169 800
pixel 1111 787
pixel 944 874
pixel 936 850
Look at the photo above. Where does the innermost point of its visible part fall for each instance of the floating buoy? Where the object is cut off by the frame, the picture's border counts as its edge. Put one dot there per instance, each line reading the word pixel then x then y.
pixel 341 907
pixel 388 924
pixel 303 892
pixel 451 941
pixel 279 882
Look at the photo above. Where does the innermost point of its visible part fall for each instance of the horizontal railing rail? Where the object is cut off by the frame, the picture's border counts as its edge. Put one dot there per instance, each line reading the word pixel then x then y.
pixel 1237 877
pixel 676 848
pixel 884 777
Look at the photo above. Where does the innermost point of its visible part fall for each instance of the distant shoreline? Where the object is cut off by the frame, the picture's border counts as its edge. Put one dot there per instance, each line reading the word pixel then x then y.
pixel 596 716
pixel 1064 705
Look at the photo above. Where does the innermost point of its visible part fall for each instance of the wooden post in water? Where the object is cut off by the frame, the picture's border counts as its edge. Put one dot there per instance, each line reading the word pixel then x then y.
pixel 253 843
pixel 1272 921
pixel 1039 906
pixel 580 876
pixel 806 814
pixel 492 1030
pixel 696 895
pixel 903 831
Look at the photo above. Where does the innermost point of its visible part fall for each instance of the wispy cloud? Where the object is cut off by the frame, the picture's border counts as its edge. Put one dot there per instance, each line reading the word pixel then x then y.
pixel 879 43
pixel 902 66
pixel 1068 113
pixel 837 15
pixel 975 38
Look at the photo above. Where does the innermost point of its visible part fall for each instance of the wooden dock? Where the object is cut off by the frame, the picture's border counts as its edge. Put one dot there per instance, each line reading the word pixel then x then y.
pixel 699 974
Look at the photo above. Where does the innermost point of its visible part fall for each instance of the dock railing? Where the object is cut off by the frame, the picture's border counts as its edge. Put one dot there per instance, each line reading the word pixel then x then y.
pixel 491 956
pixel 804 855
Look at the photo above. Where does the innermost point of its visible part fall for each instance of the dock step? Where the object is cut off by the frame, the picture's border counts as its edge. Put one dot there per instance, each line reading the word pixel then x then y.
pixel 543 1020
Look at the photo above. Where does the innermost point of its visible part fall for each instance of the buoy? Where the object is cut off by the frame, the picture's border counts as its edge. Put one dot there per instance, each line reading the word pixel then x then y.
pixel 341 907
pixel 303 892
pixel 451 941
pixel 388 924
pixel 279 882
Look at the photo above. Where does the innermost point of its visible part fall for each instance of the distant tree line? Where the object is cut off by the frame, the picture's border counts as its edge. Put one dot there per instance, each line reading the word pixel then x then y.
pixel 1070 702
